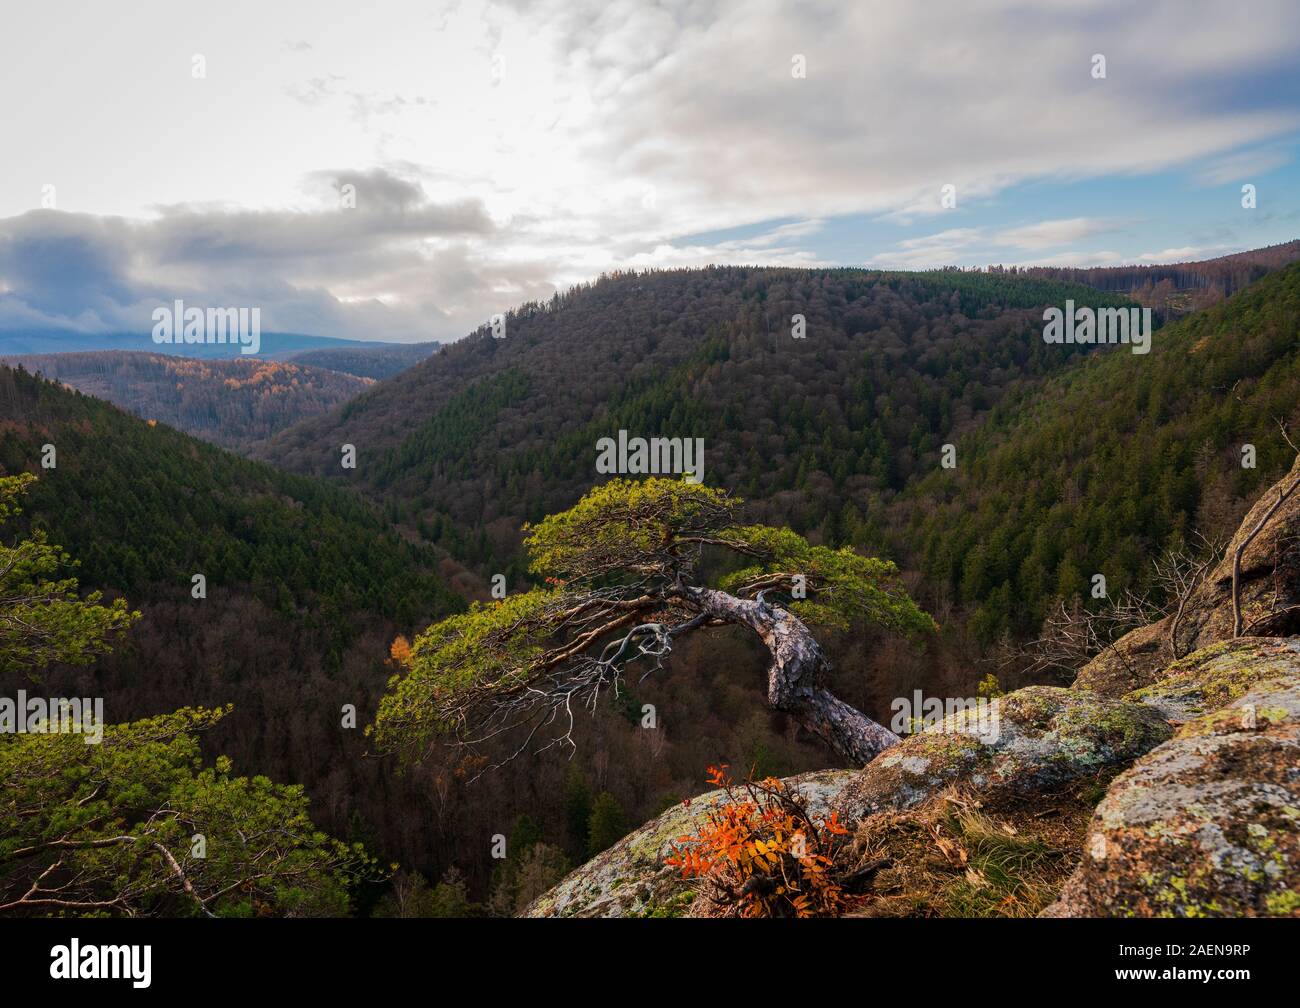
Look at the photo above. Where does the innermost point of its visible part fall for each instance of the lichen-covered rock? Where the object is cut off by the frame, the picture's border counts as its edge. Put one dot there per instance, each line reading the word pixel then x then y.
pixel 1214 676
pixel 1270 602
pixel 631 880
pixel 1046 736
pixel 1207 824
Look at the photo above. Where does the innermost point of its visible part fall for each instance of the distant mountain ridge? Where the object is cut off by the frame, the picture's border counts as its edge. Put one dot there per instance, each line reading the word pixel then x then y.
pixel 49 341
pixel 372 360
pixel 1178 288
pixel 232 403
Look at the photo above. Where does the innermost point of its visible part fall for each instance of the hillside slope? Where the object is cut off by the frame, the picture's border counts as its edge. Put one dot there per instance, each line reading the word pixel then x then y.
pixel 1067 464
pixel 232 403
pixel 494 432
pixel 1111 462
pixel 305 586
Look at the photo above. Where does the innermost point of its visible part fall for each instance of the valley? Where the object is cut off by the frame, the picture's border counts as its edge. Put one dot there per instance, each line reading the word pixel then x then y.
pixel 313 576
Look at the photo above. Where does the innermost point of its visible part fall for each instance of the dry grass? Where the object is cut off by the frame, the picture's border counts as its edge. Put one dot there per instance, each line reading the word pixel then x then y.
pixel 953 857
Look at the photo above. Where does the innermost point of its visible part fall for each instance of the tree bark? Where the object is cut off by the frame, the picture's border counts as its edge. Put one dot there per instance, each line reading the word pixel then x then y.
pixel 795 676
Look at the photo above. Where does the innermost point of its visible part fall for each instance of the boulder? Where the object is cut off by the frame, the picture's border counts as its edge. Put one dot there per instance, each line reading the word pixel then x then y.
pixel 1135 660
pixel 1046 737
pixel 1214 676
pixel 1270 577
pixel 631 880
pixel 1206 824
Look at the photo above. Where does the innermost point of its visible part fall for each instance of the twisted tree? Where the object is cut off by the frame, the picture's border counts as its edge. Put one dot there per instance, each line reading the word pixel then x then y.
pixel 623 569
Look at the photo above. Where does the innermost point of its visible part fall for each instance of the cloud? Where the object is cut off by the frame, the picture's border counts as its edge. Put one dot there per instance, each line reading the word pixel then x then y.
pixel 1244 166
pixel 1051 233
pixel 901 99
pixel 616 135
pixel 929 251
pixel 326 269
pixel 1186 253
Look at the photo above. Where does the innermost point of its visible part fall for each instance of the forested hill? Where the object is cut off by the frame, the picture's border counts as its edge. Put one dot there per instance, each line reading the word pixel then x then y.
pixel 306 587
pixel 816 431
pixel 1176 288
pixel 113 497
pixel 231 403
pixel 1112 461
pixel 1068 464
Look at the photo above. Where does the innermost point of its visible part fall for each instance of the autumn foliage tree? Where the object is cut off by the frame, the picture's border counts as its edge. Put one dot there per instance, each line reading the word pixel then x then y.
pixel 623 575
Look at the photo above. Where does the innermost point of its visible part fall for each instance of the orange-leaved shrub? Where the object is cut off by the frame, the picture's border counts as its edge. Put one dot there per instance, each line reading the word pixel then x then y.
pixel 760 854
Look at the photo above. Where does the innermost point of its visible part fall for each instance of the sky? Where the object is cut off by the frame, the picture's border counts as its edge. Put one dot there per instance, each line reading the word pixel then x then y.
pixel 404 170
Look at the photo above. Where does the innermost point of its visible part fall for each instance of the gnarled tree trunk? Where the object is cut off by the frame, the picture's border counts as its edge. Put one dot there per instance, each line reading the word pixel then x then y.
pixel 795 675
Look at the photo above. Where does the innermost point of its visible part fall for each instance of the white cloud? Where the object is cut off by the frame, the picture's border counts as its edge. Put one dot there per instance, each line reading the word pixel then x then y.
pixel 1243 166
pixel 503 149
pixel 945 248
pixel 1050 233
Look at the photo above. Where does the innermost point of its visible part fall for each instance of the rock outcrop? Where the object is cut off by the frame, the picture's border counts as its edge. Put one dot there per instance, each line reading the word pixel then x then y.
pixel 1213 677
pixel 1045 737
pixel 631 880
pixel 1270 602
pixel 1196 763
pixel 1207 824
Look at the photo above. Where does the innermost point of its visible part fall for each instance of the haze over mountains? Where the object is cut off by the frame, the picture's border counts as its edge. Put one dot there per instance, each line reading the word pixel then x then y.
pixel 48 341
pixel 232 401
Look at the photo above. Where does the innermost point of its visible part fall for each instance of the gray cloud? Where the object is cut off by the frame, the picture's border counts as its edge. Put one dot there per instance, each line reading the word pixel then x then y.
pixel 621 133
pixel 329 270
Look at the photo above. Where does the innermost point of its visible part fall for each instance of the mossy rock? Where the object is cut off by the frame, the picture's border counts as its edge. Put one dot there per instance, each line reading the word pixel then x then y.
pixel 1045 737
pixel 631 880
pixel 1216 675
pixel 1205 825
